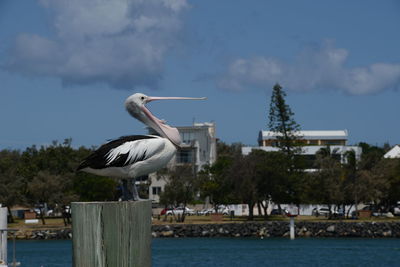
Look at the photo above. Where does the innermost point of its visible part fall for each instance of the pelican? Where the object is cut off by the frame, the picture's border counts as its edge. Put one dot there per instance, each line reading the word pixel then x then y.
pixel 129 157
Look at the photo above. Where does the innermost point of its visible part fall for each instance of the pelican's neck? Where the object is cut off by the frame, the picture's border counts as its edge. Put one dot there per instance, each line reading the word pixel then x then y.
pixel 145 116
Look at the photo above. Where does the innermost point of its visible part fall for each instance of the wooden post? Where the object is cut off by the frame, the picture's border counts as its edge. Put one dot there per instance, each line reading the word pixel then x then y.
pixel 292 227
pixel 111 233
pixel 3 235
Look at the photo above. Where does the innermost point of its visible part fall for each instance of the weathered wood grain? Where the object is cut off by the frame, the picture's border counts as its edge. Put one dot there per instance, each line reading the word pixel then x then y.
pixel 111 234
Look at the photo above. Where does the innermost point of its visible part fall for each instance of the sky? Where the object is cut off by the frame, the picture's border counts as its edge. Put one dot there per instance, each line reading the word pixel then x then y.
pixel 66 67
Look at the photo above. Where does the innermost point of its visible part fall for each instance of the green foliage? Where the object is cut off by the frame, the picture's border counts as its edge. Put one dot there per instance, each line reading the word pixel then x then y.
pixel 215 185
pixel 51 188
pixel 244 175
pixel 94 188
pixel 370 149
pixel 326 181
pixel 12 185
pixel 47 174
pixel 264 175
pixel 386 179
pixel 181 186
pixel 215 181
pixel 372 179
pixel 371 155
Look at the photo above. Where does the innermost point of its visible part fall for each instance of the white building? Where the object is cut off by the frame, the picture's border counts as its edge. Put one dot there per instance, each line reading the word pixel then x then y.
pixel 393 153
pixel 312 142
pixel 318 138
pixel 199 148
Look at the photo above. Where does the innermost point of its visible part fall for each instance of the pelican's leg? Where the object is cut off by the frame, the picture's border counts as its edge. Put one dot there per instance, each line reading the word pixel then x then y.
pixel 125 190
pixel 135 193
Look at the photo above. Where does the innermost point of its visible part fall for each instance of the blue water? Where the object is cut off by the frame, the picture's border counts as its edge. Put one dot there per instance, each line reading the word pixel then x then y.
pixel 235 252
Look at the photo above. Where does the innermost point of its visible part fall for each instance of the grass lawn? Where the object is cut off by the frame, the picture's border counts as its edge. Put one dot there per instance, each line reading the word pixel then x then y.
pixel 50 223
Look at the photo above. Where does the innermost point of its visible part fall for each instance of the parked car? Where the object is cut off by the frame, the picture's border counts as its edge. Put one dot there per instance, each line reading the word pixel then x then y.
pixel 395 209
pixel 179 210
pixel 321 211
pixel 50 213
pixel 205 212
pixel 221 209
pixel 277 212
pixel 163 211
pixel 339 213
pixel 37 211
pixel 375 210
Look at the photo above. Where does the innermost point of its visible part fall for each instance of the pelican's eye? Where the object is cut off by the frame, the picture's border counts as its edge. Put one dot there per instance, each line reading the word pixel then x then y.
pixel 142 98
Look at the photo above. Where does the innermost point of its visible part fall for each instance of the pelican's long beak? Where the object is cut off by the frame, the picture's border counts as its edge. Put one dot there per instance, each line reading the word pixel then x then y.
pixel 161 127
pixel 152 98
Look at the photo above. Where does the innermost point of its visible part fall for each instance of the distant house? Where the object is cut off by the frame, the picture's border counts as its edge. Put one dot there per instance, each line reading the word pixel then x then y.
pixel 199 146
pixel 19 212
pixel 312 142
pixel 308 138
pixel 393 153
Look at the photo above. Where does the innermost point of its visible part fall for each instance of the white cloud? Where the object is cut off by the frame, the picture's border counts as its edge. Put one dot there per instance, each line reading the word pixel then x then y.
pixel 122 43
pixel 314 69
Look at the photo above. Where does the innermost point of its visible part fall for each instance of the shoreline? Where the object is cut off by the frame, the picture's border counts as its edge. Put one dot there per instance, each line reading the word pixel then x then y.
pixel 269 229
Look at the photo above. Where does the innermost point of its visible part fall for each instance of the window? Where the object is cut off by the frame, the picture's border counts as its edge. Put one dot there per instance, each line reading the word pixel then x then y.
pixel 184 156
pixel 187 137
pixel 313 142
pixel 332 142
pixel 156 190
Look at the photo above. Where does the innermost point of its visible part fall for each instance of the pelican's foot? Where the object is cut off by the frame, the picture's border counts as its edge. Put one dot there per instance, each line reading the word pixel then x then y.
pixel 130 197
pixel 124 198
pixel 121 199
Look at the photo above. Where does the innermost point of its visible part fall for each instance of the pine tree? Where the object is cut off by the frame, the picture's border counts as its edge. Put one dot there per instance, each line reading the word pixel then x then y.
pixel 282 123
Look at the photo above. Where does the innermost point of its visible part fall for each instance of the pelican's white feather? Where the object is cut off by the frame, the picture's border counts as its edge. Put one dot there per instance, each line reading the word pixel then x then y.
pixel 138 149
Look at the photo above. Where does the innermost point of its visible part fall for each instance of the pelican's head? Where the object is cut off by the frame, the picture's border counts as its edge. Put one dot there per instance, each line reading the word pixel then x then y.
pixel 136 106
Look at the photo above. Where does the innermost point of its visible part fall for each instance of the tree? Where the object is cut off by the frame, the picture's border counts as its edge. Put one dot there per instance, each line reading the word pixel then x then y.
pixel 11 184
pixel 393 195
pixel 47 174
pixel 271 177
pixel 327 180
pixel 243 173
pixel 386 182
pixel 45 188
pixel 91 187
pixel 180 188
pixel 215 181
pixel 368 180
pixel 281 121
pixel 371 156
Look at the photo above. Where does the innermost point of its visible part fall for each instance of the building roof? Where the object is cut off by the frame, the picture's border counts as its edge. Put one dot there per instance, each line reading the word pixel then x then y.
pixel 393 153
pixel 309 135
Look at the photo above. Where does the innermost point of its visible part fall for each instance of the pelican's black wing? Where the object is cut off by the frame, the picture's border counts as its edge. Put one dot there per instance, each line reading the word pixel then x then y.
pixel 123 151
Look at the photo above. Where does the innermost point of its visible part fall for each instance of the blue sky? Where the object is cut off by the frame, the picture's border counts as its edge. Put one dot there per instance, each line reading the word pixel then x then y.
pixel 66 67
